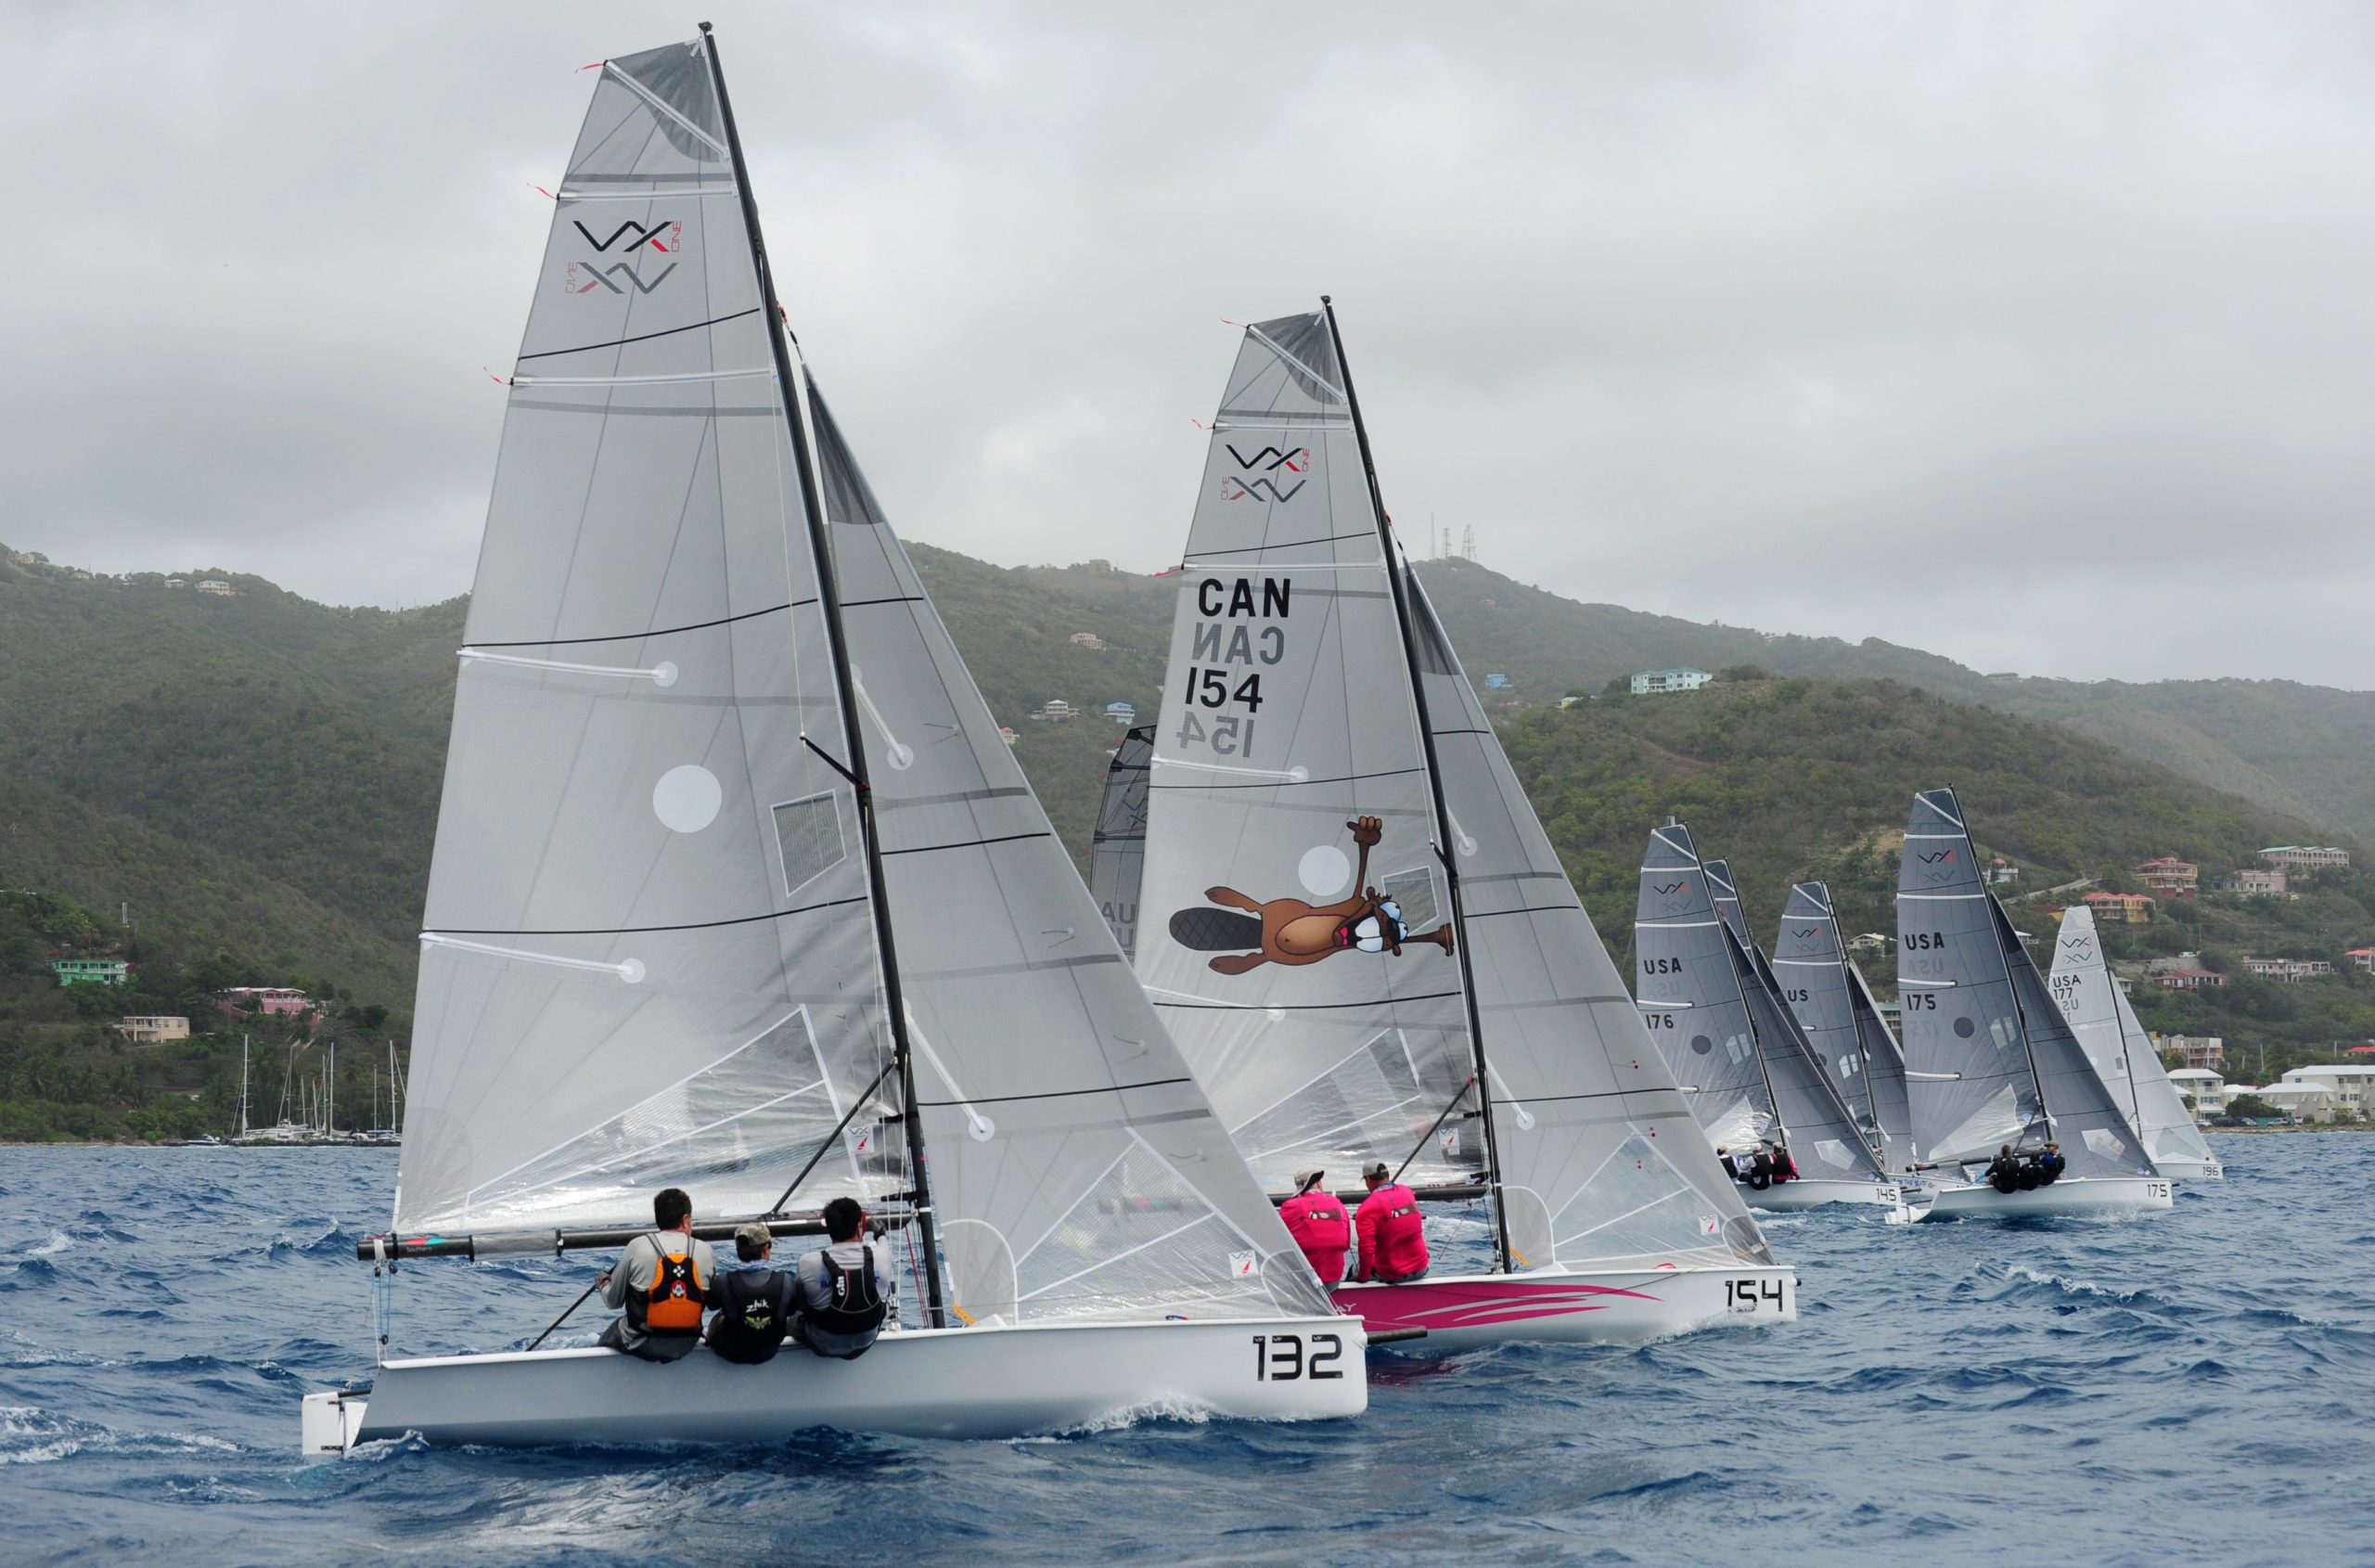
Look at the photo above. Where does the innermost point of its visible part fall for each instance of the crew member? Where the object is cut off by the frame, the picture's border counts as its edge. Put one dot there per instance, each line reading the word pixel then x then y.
pixel 1724 1158
pixel 660 1280
pixel 1760 1169
pixel 1319 1225
pixel 845 1291
pixel 2050 1164
pixel 753 1302
pixel 1784 1167
pixel 1393 1235
pixel 2004 1171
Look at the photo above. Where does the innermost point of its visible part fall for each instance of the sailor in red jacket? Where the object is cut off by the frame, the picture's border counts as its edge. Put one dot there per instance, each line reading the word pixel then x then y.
pixel 1393 1237
pixel 1319 1225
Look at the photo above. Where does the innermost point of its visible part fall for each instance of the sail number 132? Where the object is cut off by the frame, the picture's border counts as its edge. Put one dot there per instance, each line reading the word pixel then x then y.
pixel 1280 1357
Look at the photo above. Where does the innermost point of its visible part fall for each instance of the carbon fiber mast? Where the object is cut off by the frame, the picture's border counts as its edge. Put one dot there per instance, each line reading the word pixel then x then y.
pixel 853 764
pixel 1393 570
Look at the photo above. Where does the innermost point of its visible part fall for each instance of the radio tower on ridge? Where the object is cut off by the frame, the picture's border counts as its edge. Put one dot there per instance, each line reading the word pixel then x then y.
pixel 1467 542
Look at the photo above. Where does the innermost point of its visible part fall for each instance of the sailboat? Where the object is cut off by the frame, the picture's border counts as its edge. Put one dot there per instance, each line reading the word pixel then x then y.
pixel 1720 1024
pixel 737 888
pixel 1827 995
pixel 1358 933
pixel 1989 1060
pixel 2096 1011
pixel 1117 850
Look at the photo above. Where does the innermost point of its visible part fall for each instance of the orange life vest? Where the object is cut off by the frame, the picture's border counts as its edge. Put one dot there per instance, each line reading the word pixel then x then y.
pixel 673 1306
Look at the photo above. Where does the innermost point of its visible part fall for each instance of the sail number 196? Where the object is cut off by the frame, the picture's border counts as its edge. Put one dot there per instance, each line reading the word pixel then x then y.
pixel 1280 1357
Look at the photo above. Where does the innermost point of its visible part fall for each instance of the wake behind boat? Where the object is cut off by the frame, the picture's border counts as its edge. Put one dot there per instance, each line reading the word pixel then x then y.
pixel 1358 930
pixel 1989 1062
pixel 737 888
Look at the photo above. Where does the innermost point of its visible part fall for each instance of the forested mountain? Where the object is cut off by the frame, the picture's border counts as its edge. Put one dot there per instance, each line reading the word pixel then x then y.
pixel 257 775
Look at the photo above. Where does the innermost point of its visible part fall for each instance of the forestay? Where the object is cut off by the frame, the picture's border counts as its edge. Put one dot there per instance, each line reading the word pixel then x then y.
pixel 648 957
pixel 2117 1045
pixel 1117 851
pixel 1815 1117
pixel 1600 1160
pixel 1077 1170
pixel 1291 820
pixel 1845 1029
pixel 1690 995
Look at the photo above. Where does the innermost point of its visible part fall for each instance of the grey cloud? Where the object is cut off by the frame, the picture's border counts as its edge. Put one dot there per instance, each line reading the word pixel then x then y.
pixel 1714 311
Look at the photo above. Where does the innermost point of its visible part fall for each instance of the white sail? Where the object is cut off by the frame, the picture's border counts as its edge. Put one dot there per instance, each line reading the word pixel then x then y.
pixel 1289 737
pixel 655 953
pixel 1690 993
pixel 1599 1158
pixel 1834 1007
pixel 2119 1048
pixel 648 956
pixel 1076 1166
pixel 1117 850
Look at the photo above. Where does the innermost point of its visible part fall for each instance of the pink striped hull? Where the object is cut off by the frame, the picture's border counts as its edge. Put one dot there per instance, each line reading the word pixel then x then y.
pixel 1461 1312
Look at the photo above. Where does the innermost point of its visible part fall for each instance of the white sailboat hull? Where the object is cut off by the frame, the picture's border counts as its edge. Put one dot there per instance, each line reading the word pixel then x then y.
pixel 2192 1170
pixel 1791 1197
pixel 984 1383
pixel 1463 1312
pixel 2102 1196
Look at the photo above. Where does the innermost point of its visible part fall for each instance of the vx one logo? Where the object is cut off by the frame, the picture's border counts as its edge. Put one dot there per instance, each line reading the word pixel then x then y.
pixel 1273 458
pixel 1669 889
pixel 629 238
pixel 1234 489
pixel 1932 859
pixel 584 277
pixel 663 238
pixel 1806 933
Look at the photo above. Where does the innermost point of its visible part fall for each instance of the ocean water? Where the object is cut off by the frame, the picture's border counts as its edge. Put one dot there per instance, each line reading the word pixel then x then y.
pixel 2193 1388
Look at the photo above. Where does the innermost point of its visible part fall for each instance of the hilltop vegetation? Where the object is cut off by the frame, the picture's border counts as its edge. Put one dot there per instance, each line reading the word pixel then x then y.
pixel 257 776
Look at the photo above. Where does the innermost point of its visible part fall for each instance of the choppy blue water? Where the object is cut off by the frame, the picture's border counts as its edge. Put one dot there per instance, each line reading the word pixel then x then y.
pixel 2194 1388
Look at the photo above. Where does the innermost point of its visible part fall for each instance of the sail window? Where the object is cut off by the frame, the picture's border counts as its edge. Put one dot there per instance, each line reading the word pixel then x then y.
pixel 809 838
pixel 1414 891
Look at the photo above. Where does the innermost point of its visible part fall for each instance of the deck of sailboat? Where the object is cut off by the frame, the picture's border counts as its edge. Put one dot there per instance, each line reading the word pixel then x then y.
pixel 2100 1196
pixel 993 1382
pixel 1814 1192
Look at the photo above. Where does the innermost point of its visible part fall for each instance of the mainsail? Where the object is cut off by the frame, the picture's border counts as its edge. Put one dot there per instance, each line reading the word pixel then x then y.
pixel 1690 994
pixel 1117 852
pixel 1835 1009
pixel 1986 1053
pixel 1303 930
pixel 664 890
pixel 2097 1013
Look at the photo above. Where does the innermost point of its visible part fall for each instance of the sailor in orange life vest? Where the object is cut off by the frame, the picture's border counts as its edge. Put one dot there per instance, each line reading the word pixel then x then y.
pixel 1393 1237
pixel 1319 1225
pixel 660 1280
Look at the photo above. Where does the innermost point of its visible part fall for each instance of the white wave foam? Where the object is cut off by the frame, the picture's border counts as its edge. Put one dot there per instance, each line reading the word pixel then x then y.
pixel 2074 1287
pixel 58 1241
pixel 1173 1408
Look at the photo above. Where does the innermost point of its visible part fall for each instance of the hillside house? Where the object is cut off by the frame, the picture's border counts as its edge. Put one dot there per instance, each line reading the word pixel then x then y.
pixel 1122 714
pixel 177 581
pixel 1006 734
pixel 1652 681
pixel 1497 681
pixel 2000 871
pixel 2205 1088
pixel 148 1029
pixel 2307 857
pixel 2169 874
pixel 1872 942
pixel 1057 710
pixel 2134 908
pixel 2190 979
pixel 2253 882
pixel 91 972
pixel 2353 1087
pixel 214 585
pixel 2310 1102
pixel 285 1000
pixel 1089 640
pixel 2202 1050
pixel 2362 957
pixel 2288 970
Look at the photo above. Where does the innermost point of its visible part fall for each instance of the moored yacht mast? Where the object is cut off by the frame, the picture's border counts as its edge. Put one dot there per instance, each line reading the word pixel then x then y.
pixel 1394 566
pixel 852 763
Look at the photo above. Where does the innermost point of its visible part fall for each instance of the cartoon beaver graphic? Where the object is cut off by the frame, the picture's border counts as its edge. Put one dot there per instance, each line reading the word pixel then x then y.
pixel 1287 931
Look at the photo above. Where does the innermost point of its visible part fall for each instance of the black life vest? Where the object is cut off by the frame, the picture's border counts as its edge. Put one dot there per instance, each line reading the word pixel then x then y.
pixel 856 1306
pixel 753 1314
pixel 672 1308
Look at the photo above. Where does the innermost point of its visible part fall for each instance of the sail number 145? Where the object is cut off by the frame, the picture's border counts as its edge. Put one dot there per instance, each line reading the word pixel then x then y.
pixel 1280 1357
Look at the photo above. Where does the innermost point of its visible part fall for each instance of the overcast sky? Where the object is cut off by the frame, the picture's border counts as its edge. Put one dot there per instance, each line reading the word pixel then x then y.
pixel 2037 336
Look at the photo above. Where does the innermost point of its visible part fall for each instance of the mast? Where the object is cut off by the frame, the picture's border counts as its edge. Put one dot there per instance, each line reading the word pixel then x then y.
pixel 854 764
pixel 1443 837
pixel 2003 928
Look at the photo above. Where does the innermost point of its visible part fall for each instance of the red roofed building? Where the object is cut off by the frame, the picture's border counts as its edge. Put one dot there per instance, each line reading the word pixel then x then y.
pixel 2190 979
pixel 2170 875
